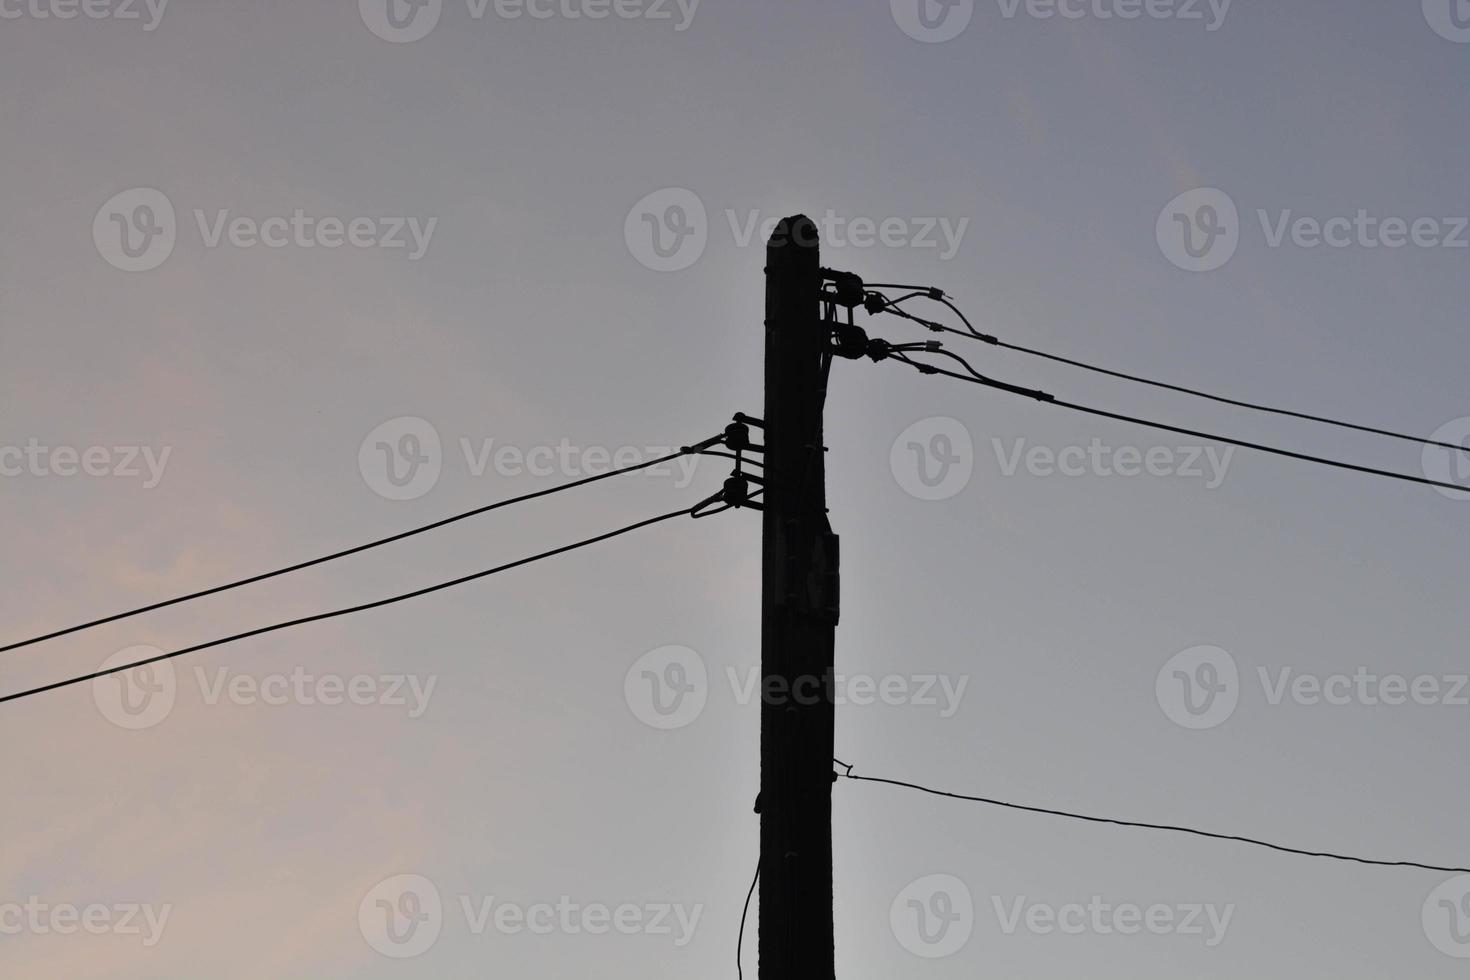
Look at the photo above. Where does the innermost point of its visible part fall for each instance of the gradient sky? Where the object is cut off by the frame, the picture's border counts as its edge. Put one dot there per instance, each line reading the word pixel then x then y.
pixel 531 320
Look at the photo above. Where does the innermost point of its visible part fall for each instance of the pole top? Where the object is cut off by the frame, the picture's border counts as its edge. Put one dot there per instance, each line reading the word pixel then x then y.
pixel 798 229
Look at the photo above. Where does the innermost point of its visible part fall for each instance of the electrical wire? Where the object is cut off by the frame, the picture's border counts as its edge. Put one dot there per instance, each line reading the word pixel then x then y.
pixel 974 334
pixel 1153 826
pixel 740 943
pixel 359 549
pixel 348 611
pixel 976 378
pixel 700 513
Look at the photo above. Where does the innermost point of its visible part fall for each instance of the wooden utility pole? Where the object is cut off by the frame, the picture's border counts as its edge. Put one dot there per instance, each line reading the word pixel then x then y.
pixel 799 618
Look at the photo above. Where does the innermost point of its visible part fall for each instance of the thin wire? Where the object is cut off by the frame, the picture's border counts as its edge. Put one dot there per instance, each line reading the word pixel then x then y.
pixel 344 612
pixel 973 377
pixel 740 943
pixel 918 290
pixel 1051 400
pixel 698 513
pixel 974 334
pixel 349 551
pixel 1153 826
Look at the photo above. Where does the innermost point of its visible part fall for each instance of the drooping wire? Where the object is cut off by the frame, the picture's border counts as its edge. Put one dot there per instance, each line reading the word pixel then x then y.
pixel 973 334
pixel 974 377
pixel 970 375
pixel 740 942
pixel 707 508
pixel 1152 826
pixel 359 549
pixel 260 631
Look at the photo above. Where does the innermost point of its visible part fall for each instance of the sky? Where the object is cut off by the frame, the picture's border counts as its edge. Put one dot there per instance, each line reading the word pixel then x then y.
pixel 279 278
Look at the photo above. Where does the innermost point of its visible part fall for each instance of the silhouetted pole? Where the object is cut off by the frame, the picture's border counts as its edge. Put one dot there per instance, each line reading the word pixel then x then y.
pixel 799 616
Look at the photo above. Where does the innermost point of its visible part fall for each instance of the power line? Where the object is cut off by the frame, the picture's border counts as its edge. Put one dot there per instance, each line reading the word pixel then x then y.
pixel 349 611
pixel 1153 826
pixel 974 377
pixel 740 943
pixel 973 334
pixel 336 555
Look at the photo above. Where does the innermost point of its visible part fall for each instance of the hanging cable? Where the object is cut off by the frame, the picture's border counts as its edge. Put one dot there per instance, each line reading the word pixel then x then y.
pixel 975 377
pixel 359 549
pixel 1151 826
pixel 893 306
pixel 740 942
pixel 345 612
